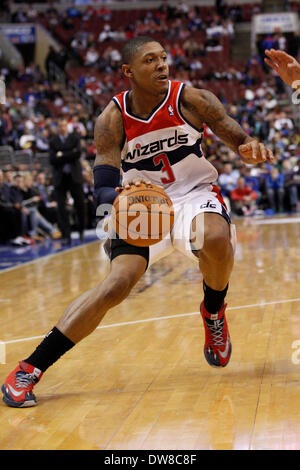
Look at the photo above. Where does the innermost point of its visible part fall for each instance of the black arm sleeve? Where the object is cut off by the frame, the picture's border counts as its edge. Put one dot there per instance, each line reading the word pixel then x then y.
pixel 106 179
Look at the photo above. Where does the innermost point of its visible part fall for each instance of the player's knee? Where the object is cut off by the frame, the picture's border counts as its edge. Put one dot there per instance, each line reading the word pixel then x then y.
pixel 118 288
pixel 216 242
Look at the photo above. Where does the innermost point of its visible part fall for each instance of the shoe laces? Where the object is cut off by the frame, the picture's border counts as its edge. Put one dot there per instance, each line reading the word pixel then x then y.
pixel 25 380
pixel 216 332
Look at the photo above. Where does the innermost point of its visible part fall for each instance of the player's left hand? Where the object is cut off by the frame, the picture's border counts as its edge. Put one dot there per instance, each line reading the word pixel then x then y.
pixel 285 65
pixel 255 152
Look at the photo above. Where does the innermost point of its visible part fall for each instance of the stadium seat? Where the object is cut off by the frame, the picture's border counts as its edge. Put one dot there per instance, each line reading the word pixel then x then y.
pixel 6 155
pixel 22 157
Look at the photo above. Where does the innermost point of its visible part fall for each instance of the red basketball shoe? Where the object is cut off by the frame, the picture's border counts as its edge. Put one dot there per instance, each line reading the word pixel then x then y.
pixel 217 347
pixel 18 385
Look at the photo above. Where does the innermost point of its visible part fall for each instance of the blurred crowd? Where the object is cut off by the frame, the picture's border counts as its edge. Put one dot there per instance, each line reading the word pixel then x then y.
pixel 156 22
pixel 265 188
pixel 29 119
pixel 177 26
pixel 28 205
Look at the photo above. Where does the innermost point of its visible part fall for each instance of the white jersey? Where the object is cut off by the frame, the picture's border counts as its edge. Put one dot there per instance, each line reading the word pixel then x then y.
pixel 164 148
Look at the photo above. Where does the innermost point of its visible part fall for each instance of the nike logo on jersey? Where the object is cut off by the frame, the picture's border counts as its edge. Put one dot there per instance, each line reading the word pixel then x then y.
pixel 157 146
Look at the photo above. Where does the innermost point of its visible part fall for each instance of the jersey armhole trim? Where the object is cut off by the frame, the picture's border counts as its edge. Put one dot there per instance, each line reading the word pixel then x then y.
pixel 114 99
pixel 178 103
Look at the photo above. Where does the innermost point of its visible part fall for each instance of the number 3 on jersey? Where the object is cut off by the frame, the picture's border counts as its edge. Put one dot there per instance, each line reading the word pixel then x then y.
pixel 166 168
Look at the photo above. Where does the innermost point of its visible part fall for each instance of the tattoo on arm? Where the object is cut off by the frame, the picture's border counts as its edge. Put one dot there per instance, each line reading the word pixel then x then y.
pixel 108 136
pixel 210 110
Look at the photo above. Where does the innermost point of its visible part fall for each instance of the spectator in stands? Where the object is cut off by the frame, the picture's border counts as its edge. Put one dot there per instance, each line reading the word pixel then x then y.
pixel 16 197
pixel 215 30
pixel 181 10
pixel 113 54
pixel 27 140
pixel 91 57
pixel 221 8
pixel 166 11
pixel 53 16
pixel 104 13
pixel 47 206
pixel 42 140
pixel 228 179
pixel 107 34
pixel 243 199
pixel 281 41
pixel 283 123
pixel 88 189
pixel 78 43
pixel 195 22
pixel 10 226
pixel 6 126
pixel 73 12
pixel 266 43
pixel 151 27
pixel 66 22
pixel 65 153
pixel 228 28
pixel 111 59
pixel 213 44
pixel 19 16
pixel 270 102
pixel 255 61
pixel 269 42
pixel 88 13
pixel 290 183
pixel 54 92
pixel 275 190
pixel 75 125
pixel 251 181
pixel 3 130
pixel 7 183
pixel 50 58
pixel 191 48
pixel 178 55
pixel 177 31
pixel 120 34
pixel 195 64
pixel 39 226
pixel 62 58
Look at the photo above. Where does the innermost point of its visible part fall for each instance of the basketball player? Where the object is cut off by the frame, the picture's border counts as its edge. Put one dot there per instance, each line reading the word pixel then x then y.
pixel 285 65
pixel 153 132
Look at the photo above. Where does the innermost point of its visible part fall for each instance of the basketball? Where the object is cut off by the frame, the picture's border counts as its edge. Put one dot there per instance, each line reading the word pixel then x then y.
pixel 143 215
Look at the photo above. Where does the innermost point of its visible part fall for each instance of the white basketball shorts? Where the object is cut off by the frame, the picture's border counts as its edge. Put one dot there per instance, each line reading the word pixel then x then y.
pixel 201 200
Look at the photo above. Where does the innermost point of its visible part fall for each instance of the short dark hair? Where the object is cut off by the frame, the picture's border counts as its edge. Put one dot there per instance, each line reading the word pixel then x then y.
pixel 132 46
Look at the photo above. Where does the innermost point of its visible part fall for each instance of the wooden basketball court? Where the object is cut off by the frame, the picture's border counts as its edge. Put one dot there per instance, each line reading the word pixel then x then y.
pixel 140 381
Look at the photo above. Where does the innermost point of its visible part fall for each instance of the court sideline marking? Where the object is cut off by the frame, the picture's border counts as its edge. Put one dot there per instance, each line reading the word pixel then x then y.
pixel 168 317
pixel 47 257
pixel 286 220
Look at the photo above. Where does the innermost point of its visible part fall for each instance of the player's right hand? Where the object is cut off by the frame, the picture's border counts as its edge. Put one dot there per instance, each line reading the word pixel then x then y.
pixel 133 182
